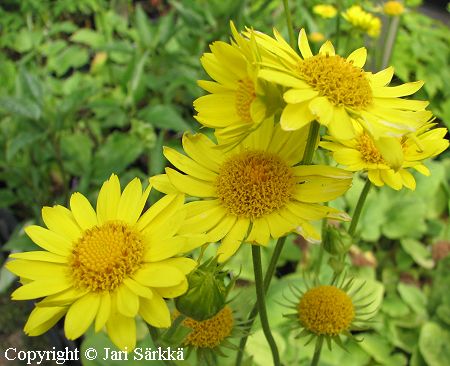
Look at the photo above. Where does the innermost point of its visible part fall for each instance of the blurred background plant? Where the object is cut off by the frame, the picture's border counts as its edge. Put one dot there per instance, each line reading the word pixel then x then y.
pixel 91 87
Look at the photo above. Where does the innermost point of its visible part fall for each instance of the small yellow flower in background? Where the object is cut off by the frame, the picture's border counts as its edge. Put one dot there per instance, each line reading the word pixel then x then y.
pixel 237 103
pixel 325 312
pixel 393 8
pixel 363 20
pixel 365 153
pixel 210 333
pixel 253 191
pixel 333 89
pixel 325 11
pixel 105 266
pixel 316 37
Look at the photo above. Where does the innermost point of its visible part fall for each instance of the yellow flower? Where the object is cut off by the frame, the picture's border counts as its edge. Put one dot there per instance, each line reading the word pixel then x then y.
pixel 237 103
pixel 105 266
pixel 316 37
pixel 253 191
pixel 332 89
pixel 393 8
pixel 386 160
pixel 325 312
pixel 363 21
pixel 325 11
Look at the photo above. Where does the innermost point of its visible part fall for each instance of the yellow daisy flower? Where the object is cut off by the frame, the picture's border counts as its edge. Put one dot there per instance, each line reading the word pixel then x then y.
pixel 393 8
pixel 333 89
pixel 325 312
pixel 325 11
pixel 316 37
pixel 365 153
pixel 238 101
pixel 363 20
pixel 105 266
pixel 253 191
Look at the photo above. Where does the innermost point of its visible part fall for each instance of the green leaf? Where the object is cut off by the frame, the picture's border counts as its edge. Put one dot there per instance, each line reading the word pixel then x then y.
pixel 77 153
pixel 6 279
pixel 71 57
pixel 434 344
pixel 164 116
pixel 115 154
pixel 257 347
pixel 23 41
pixel 413 297
pixel 31 85
pixel 394 306
pixel 21 141
pixel 135 83
pixel 21 107
pixel 143 27
pixel 88 37
pixel 418 252
pixel 406 218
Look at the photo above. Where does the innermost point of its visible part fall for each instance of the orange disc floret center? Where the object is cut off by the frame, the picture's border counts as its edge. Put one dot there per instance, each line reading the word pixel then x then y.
pixel 337 79
pixel 245 95
pixel 105 255
pixel 252 184
pixel 211 332
pixel 368 150
pixel 326 310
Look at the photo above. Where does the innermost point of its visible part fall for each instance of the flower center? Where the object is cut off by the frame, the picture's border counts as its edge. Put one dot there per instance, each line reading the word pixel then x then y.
pixel 211 332
pixel 245 95
pixel 368 150
pixel 254 183
pixel 105 255
pixel 338 80
pixel 326 310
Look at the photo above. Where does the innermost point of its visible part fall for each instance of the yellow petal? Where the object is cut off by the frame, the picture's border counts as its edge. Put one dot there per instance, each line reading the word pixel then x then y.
pixel 158 275
pixel 138 289
pixel 49 240
pixel 203 221
pixel 374 177
pixel 391 150
pixel 63 298
pixel 203 151
pixel 392 179
pixel 164 248
pixel 80 315
pixel 383 77
pixel 82 211
pixel 358 57
pixel 104 310
pixel 128 209
pixel 127 301
pixel 173 291
pixel 35 270
pixel 278 225
pixel 188 166
pixel 294 96
pixel 327 49
pixel 408 179
pixel 322 109
pixel 233 240
pixel 122 331
pixel 40 255
pixel 162 183
pixel 155 311
pixel 282 78
pixel 223 228
pixel 191 186
pixel 42 319
pixel 397 91
pixel 296 116
pixel 260 232
pixel 161 210
pixel 303 44
pixel 108 200
pixel 185 265
pixel 61 221
pixel 41 288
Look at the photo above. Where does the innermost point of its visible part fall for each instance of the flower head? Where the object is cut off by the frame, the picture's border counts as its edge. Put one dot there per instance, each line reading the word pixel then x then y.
pixel 393 8
pixel 325 11
pixel 363 20
pixel 238 102
pixel 334 89
pixel 387 159
pixel 316 37
pixel 105 266
pixel 328 311
pixel 253 191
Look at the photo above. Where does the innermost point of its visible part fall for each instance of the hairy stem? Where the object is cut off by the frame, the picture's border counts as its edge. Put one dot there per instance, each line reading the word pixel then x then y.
pixel 290 27
pixel 359 207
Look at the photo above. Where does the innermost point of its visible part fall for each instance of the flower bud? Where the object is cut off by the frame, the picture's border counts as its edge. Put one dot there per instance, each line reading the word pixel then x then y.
pixel 336 241
pixel 207 292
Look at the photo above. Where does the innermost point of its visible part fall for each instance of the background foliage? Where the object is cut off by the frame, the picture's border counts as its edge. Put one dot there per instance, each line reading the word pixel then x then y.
pixel 92 87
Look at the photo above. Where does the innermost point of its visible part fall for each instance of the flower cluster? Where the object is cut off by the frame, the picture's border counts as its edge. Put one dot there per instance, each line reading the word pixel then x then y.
pixel 363 20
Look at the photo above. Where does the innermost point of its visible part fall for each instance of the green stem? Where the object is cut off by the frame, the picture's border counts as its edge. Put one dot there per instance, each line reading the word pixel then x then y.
pixel 154 334
pixel 290 27
pixel 317 350
pixel 311 143
pixel 260 299
pixel 338 25
pixel 62 170
pixel 390 41
pixel 359 207
pixel 267 279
